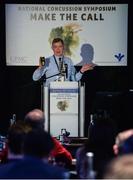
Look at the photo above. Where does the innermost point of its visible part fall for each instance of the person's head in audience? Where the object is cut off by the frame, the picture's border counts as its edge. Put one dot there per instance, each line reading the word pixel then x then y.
pixel 120 168
pixel 102 134
pixel 62 156
pixel 16 135
pixel 35 118
pixel 38 144
pixel 120 139
pixel 127 146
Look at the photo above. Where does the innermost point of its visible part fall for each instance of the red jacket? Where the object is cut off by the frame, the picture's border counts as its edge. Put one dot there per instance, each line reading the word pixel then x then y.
pixel 61 153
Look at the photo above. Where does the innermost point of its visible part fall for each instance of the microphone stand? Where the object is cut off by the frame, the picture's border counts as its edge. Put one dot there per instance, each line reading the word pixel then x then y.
pixel 42 80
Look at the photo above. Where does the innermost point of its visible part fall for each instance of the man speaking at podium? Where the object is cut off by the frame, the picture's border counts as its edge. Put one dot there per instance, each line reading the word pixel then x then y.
pixel 58 66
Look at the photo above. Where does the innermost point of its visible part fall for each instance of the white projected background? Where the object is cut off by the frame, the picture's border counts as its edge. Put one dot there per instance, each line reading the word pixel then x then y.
pixel 93 33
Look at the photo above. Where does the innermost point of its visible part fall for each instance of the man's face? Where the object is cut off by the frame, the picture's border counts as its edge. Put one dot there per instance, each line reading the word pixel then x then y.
pixel 58 48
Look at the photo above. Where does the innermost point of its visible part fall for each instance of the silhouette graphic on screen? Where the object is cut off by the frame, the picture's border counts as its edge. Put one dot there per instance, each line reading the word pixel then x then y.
pixel 87 54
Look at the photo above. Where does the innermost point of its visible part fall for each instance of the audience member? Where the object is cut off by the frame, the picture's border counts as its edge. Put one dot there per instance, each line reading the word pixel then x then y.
pixel 102 134
pixel 36 119
pixel 127 146
pixel 37 146
pixel 16 135
pixel 120 168
pixel 11 146
pixel 120 139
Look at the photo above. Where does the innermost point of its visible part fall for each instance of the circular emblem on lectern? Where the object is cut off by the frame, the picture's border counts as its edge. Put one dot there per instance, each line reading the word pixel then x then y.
pixel 62 105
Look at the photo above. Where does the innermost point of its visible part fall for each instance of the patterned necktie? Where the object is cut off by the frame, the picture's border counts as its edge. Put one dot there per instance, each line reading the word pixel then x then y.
pixel 60 64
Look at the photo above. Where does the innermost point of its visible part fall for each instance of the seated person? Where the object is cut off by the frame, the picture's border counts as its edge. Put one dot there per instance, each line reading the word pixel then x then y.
pixel 36 119
pixel 34 164
pixel 120 167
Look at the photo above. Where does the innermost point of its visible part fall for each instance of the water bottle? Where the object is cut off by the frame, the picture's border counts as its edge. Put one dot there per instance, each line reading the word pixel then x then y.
pixel 90 171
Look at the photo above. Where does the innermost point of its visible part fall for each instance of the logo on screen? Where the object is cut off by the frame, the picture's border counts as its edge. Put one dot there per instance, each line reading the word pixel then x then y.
pixel 119 57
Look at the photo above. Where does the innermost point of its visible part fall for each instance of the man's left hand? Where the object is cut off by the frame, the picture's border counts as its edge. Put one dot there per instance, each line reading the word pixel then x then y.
pixel 86 67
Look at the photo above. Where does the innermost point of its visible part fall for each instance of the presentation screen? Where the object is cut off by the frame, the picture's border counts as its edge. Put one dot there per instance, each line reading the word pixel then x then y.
pixel 92 33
